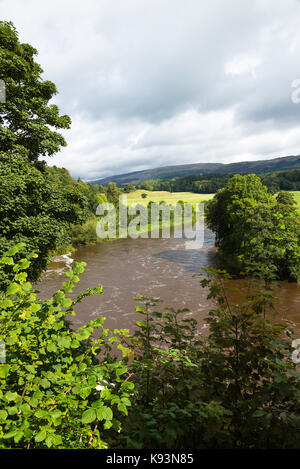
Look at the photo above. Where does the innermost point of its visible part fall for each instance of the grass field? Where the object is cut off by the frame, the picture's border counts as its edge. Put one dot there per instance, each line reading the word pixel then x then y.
pixel 168 197
pixel 297 198
pixel 173 197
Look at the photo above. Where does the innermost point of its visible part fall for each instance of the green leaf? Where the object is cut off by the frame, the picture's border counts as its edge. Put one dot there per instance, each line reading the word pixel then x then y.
pixel 11 396
pixel 107 425
pixel 45 384
pixel 98 322
pixel 6 303
pixel 10 434
pixel 85 334
pixel 15 249
pixel 53 440
pixel 24 264
pixel 126 401
pixel 66 302
pixel 259 413
pixel 34 308
pixel 129 386
pixel 7 260
pixel 55 414
pixel 30 368
pixel 104 413
pixel 141 324
pixel 3 414
pixel 51 347
pixel 123 408
pixel 97 291
pixel 120 371
pixel 13 288
pixel 4 370
pixel 12 410
pixel 18 436
pixel 88 416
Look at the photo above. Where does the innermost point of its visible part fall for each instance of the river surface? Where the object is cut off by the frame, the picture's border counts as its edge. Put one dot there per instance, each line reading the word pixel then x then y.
pixel 161 268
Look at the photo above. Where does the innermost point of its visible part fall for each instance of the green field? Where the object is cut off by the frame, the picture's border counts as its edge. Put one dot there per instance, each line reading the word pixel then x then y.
pixel 168 197
pixel 297 198
pixel 173 197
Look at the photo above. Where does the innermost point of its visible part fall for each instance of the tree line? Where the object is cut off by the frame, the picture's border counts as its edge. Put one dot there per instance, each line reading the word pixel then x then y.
pixel 287 180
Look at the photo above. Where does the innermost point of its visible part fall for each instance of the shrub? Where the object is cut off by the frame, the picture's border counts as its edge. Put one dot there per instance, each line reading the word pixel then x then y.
pixel 55 391
pixel 84 234
pixel 235 388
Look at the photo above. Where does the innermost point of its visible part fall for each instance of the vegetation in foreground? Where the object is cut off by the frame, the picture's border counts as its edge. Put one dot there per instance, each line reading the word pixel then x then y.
pixel 173 388
pixel 54 391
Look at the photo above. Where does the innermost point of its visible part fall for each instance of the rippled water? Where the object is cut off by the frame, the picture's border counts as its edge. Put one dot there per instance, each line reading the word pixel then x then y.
pixel 162 268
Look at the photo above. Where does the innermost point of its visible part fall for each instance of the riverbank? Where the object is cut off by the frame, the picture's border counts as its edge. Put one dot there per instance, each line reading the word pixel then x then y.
pixel 85 234
pixel 163 268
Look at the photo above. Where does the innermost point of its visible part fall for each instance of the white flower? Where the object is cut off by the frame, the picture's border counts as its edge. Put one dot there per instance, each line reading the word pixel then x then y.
pixel 106 384
pixel 99 387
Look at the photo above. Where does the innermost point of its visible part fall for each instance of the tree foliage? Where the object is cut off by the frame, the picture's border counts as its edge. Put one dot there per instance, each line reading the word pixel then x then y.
pixel 174 388
pixel 27 119
pixel 38 204
pixel 209 183
pixel 236 387
pixel 255 230
pixel 36 211
pixel 55 391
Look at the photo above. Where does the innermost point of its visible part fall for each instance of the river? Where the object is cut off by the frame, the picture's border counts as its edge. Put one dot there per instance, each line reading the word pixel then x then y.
pixel 161 268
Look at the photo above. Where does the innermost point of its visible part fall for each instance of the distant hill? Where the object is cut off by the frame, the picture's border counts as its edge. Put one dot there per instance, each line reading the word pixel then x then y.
pixel 261 166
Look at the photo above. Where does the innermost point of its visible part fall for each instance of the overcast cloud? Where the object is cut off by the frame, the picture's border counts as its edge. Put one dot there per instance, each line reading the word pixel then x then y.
pixel 149 83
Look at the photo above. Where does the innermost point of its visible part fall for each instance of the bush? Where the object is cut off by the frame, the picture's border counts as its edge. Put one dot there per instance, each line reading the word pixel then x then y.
pixel 235 388
pixel 84 234
pixel 55 391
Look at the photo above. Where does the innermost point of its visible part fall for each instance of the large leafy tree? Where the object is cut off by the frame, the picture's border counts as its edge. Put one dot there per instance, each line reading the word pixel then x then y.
pixel 273 238
pixel 225 211
pixel 36 208
pixel 28 122
pixel 35 211
pixel 255 230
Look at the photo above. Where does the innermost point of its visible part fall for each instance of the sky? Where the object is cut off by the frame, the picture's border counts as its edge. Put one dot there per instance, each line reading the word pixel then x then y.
pixel 151 83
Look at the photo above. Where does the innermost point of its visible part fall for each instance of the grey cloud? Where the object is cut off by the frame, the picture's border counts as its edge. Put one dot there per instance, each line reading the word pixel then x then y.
pixel 155 83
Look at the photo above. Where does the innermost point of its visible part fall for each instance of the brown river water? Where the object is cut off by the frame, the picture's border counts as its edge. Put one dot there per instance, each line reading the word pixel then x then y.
pixel 163 268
